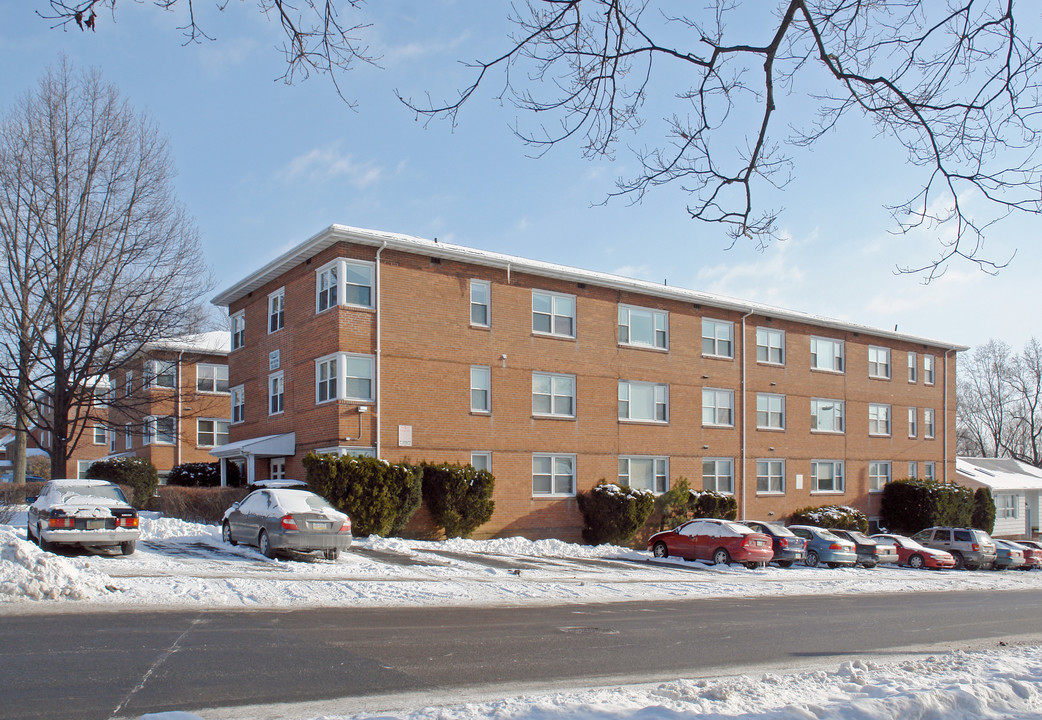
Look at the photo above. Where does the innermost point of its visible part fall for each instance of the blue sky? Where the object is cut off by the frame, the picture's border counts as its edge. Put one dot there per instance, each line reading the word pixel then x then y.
pixel 263 165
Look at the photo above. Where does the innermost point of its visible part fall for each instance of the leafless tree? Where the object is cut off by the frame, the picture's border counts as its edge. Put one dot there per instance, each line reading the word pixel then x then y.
pixel 1026 441
pixel 106 258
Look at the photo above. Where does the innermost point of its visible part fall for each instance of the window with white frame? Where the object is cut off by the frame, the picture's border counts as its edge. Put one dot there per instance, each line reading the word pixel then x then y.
pixel 1006 506
pixel 644 473
pixel 344 282
pixel 326 284
pixel 770 411
pixel 826 415
pixel 717 338
pixel 326 371
pixel 481 461
pixel 83 468
pixel 642 327
pixel 553 314
pixel 826 476
pixel 238 398
pixel 913 368
pixel 928 369
pixel 717 407
pixel 101 435
pixel 128 385
pixel 770 346
pixel 128 436
pixel 160 373
pixel 643 401
pixel 344 376
pixel 211 378
pixel 211 433
pixel 929 471
pixel 159 430
pixel 113 435
pixel 553 395
pixel 770 476
pixel 553 475
pixel 277 310
pixel 878 475
pixel 480 303
pixel 878 419
pixel 718 475
pixel 826 354
pixel 480 389
pixel 277 468
pixel 928 423
pixel 238 329
pixel 276 393
pixel 879 362
pixel 913 470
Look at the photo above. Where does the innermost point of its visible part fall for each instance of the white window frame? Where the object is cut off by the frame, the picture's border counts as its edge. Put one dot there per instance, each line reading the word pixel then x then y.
pixel 712 407
pixel 837 477
pixel 913 423
pixel 770 411
pixel 215 433
pixel 276 393
pixel 238 403
pixel 929 471
pixel 100 431
pixel 659 396
pixel 913 470
pixel 214 381
pixel 878 362
pixel 481 460
pixel 658 475
pixel 327 373
pixel 556 472
pixel 128 436
pixel 113 435
pixel 772 471
pixel 827 354
pixel 277 310
pixel 722 472
pixel 913 368
pixel 770 341
pixel 128 384
pixel 277 468
pixel 481 389
pixel 562 306
pixel 1007 506
pixel 338 384
pixel 715 334
pixel 481 298
pixel 879 474
pixel 556 392
pixel 878 420
pixel 838 414
pixel 151 430
pixel 929 423
pixel 156 369
pixel 929 369
pixel 657 321
pixel 83 469
pixel 333 280
pixel 238 330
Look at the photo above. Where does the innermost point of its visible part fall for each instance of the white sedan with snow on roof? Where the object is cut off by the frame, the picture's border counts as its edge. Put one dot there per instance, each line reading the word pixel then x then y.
pixel 93 513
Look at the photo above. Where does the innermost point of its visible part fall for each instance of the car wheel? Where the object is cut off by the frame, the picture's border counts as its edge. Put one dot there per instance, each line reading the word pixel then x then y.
pixel 721 557
pixel 998 567
pixel 784 563
pixel 916 561
pixel 960 561
pixel 45 545
pixel 971 566
pixel 127 547
pixel 332 554
pixel 812 559
pixel 660 550
pixel 265 545
pixel 226 533
pixel 869 565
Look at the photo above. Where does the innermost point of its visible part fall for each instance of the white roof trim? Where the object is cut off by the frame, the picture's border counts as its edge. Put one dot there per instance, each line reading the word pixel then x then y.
pixel 264 446
pixel 1000 474
pixel 407 243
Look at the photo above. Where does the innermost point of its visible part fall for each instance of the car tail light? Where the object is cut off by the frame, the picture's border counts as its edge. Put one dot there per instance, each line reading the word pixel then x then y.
pixel 288 523
pixel 783 542
pixel 61 522
pixel 975 547
pixel 346 527
pixel 127 522
pixel 837 546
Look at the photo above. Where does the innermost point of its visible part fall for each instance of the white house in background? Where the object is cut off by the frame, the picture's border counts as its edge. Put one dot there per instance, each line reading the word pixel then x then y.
pixel 1016 488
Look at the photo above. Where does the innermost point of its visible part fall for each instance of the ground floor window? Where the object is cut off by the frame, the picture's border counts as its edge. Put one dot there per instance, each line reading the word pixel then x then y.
pixel 1006 506
pixel 827 476
pixel 718 475
pixel 770 476
pixel 645 473
pixel 553 474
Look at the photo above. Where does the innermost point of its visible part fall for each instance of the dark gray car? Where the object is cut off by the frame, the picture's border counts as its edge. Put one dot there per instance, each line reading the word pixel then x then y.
pixel 276 519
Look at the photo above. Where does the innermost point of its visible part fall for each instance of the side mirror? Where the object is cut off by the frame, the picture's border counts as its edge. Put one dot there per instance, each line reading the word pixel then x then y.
pixel 30 499
pixel 236 504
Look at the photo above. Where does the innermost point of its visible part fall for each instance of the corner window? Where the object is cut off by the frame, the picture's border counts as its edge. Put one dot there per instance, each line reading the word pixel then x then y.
pixel 770 346
pixel 827 476
pixel 717 407
pixel 238 398
pixel 878 476
pixel 928 369
pixel 913 368
pixel 928 423
pixel 327 288
pixel 826 415
pixel 770 411
pixel 211 433
pixel 159 430
pixel 553 314
pixel 276 393
pixel 643 401
pixel 553 475
pixel 344 282
pixel 211 378
pixel 160 373
pixel 344 376
pixel 879 362
pixel 553 395
pixel 480 303
pixel 718 475
pixel 640 327
pixel 770 477
pixel 878 419
pixel 644 473
pixel 326 371
pixel 277 310
pixel 480 389
pixel 717 338
pixel 238 329
pixel 826 354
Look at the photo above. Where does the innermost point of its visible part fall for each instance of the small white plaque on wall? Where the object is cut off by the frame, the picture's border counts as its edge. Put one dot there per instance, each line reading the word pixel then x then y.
pixel 799 481
pixel 405 436
pixel 273 360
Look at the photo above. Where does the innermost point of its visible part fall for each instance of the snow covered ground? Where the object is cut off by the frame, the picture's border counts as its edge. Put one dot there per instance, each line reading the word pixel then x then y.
pixel 186 565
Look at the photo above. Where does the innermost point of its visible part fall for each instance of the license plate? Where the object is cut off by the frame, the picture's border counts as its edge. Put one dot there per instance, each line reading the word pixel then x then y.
pixel 321 525
pixel 95 524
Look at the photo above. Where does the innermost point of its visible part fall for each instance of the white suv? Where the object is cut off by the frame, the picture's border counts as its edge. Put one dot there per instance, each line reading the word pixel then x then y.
pixel 972 549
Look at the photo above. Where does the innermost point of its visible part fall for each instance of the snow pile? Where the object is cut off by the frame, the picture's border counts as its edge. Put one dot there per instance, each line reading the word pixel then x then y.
pixel 156 527
pixel 26 572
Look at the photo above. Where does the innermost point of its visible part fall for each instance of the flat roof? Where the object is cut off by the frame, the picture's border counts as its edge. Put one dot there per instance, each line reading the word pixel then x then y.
pixel 432 248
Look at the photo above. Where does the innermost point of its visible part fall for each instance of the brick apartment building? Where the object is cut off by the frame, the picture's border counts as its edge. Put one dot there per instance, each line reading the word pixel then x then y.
pixel 554 378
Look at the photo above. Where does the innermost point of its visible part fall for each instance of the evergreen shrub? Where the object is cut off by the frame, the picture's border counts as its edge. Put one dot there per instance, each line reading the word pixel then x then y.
pixel 379 497
pixel 983 517
pixel 198 504
pixel 840 517
pixel 613 514
pixel 136 472
pixel 198 474
pixel 459 497
pixel 908 506
pixel 711 504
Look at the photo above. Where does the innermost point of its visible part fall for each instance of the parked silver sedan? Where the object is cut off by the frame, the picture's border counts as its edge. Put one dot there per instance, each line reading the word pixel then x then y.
pixel 281 519
pixel 86 512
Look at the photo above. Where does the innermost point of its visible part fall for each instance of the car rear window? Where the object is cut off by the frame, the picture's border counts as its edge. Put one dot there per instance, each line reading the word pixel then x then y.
pixel 963 536
pixel 303 501
pixel 105 492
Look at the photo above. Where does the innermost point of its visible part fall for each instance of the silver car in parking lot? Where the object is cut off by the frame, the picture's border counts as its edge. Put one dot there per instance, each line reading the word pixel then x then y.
pixel 92 513
pixel 283 519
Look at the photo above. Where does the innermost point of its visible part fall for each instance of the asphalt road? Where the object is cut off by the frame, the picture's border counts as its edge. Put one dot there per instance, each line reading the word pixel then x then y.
pixel 126 664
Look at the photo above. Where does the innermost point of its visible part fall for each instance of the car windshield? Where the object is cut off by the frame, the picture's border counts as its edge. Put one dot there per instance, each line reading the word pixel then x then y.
pixel 105 492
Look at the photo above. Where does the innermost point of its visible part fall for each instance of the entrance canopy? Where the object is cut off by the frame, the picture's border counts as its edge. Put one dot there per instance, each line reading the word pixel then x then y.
pixel 265 446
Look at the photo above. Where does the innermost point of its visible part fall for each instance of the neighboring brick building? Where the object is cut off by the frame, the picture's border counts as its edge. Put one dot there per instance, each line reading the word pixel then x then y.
pixel 358 341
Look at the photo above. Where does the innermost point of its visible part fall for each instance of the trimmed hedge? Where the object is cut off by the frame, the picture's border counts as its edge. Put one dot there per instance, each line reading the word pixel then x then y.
pixel 711 504
pixel 613 514
pixel 908 506
pixel 138 473
pixel 983 517
pixel 379 497
pixel 459 497
pixel 198 504
pixel 840 517
pixel 200 474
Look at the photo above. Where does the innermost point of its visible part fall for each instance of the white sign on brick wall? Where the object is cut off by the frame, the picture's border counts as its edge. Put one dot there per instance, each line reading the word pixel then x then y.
pixel 405 436
pixel 799 481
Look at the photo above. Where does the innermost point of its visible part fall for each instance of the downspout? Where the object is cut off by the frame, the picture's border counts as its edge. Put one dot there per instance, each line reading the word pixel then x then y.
pixel 177 411
pixel 742 516
pixel 379 364
pixel 946 415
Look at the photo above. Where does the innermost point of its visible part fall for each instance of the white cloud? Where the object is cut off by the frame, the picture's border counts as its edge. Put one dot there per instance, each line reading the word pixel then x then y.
pixel 329 163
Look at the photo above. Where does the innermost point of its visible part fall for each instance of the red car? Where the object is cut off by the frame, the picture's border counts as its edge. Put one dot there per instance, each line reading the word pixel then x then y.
pixel 914 555
pixel 1032 553
pixel 718 541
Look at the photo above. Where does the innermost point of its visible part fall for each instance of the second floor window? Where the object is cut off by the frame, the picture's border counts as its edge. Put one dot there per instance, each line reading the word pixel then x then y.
pixel 276 394
pixel 717 407
pixel 770 346
pixel 344 376
pixel 211 433
pixel 826 415
pixel 826 354
pixel 717 338
pixel 100 435
pixel 211 378
pixel 553 395
pixel 553 314
pixel 878 419
pixel 770 411
pixel 643 401
pixel 913 423
pixel 238 398
pixel 160 373
pixel 928 423
pixel 643 327
pixel 480 389
pixel 238 323
pixel 276 310
pixel 159 430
